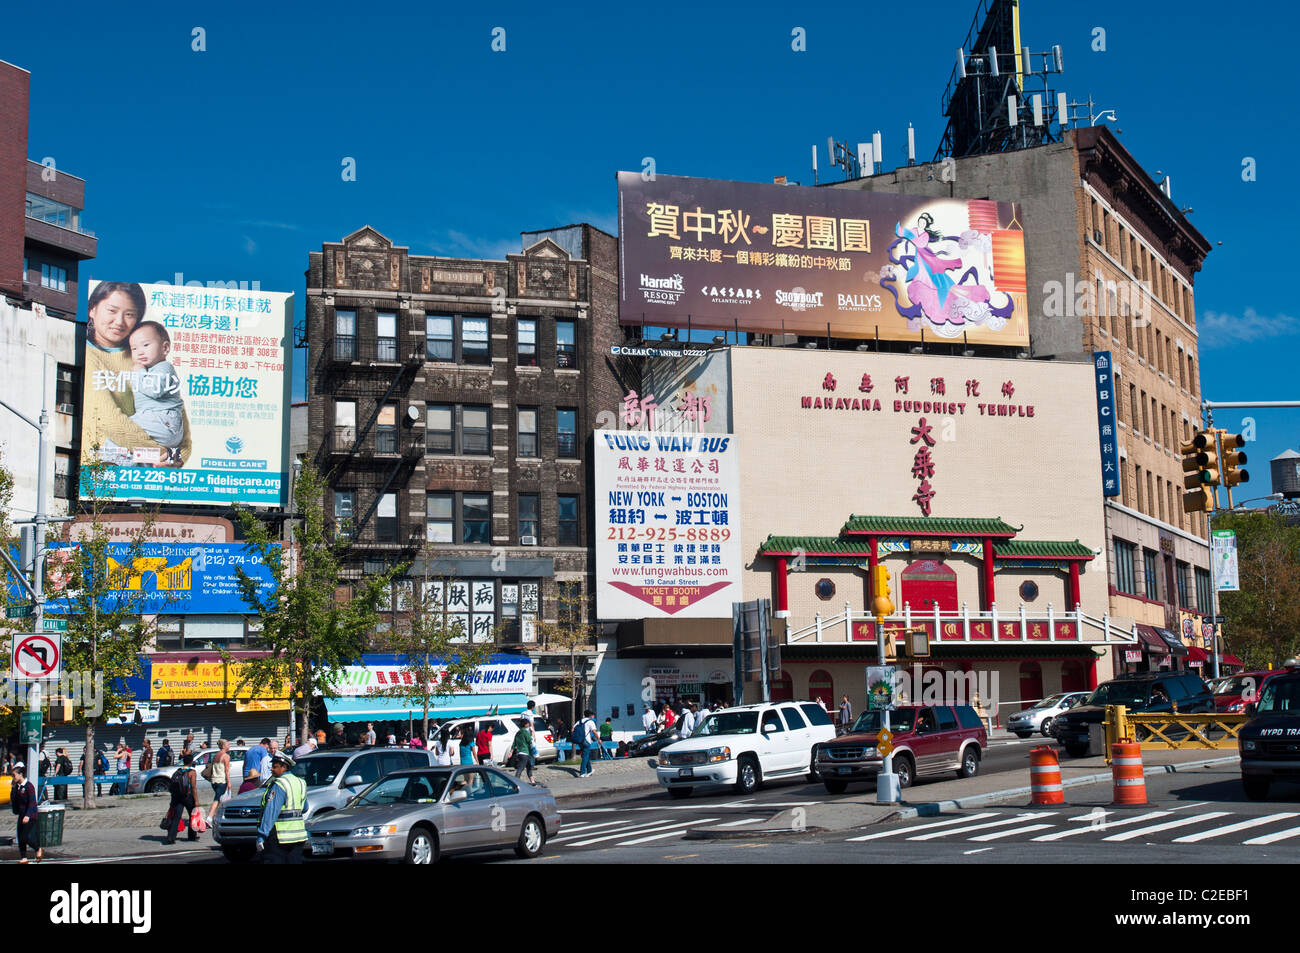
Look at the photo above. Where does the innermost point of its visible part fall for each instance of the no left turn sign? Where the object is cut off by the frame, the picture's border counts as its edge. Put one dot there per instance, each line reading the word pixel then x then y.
pixel 37 655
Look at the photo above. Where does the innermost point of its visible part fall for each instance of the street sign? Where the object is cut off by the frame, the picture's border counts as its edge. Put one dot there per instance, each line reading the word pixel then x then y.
pixel 885 743
pixel 53 624
pixel 29 728
pixel 880 687
pixel 36 655
pixel 1223 556
pixel 18 611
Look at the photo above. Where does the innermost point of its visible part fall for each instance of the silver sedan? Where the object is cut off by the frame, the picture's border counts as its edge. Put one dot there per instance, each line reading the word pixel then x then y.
pixel 419 814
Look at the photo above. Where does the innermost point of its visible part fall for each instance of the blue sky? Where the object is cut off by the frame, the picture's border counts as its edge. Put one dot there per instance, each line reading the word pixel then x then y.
pixel 225 164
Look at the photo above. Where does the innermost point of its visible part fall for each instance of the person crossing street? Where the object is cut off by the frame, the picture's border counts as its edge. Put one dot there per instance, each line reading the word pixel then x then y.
pixel 282 833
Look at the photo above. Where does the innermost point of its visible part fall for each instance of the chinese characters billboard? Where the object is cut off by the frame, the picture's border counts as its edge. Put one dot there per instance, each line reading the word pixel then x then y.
pixel 667 525
pixel 186 392
pixel 784 259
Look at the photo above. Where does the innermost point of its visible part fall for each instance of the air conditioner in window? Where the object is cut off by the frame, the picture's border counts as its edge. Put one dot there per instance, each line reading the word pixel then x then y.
pixel 1096 235
pixel 66 408
pixel 527 540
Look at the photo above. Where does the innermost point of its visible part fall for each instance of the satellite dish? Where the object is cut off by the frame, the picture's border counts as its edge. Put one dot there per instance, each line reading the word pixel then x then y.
pixel 413 413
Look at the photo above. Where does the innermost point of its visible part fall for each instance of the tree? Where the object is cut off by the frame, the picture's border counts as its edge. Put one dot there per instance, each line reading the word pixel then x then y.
pixel 440 658
pixel 570 633
pixel 1262 621
pixel 92 580
pixel 314 621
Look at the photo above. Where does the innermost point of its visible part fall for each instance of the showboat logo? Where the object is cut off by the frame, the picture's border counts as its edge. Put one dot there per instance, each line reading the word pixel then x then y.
pixel 797 299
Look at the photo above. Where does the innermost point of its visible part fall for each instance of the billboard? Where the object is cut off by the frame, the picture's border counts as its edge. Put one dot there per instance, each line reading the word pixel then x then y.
pixel 186 393
pixel 772 259
pixel 175 578
pixel 667 525
pixel 499 674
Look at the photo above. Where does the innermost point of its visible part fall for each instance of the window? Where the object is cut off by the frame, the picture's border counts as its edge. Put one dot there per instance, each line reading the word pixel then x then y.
pixel 1182 371
pixel 1124 581
pixel 439 437
pixel 474 341
pixel 1150 510
pixel 1204 598
pixel 476 435
pixel 386 335
pixel 526 353
pixel 1160 497
pixel 566 432
pixel 476 518
pixel 386 518
pixel 568 521
pixel 1151 571
pixel 54 277
pixel 794 721
pixel 345 335
pixel 1133 406
pixel 48 210
pixel 501 785
pixel 65 388
pixel 365 765
pixel 1146 416
pixel 1191 375
pixel 439 342
pixel 566 353
pixel 62 469
pixel 440 524
pixel 386 429
pixel 527 431
pixel 345 424
pixel 528 514
pixel 1137 486
pixel 345 502
pixel 947 720
pixel 1180 575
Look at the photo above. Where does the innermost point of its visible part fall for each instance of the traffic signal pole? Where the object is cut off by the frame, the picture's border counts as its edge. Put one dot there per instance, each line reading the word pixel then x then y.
pixel 887 789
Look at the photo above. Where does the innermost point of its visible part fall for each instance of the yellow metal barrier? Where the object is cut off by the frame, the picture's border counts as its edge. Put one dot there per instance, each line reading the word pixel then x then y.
pixel 1156 730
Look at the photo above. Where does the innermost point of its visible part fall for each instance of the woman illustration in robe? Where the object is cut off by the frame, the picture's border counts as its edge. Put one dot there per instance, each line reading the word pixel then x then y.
pixel 109 434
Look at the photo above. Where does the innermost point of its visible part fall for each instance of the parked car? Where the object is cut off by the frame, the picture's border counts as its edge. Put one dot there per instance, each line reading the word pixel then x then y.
pixel 418 815
pixel 1269 743
pixel 928 740
pixel 1233 693
pixel 1137 693
pixel 333 778
pixel 1039 717
pixel 155 780
pixel 744 746
pixel 653 743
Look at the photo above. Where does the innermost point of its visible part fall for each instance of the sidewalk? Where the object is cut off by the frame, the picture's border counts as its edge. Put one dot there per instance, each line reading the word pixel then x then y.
pixel 931 797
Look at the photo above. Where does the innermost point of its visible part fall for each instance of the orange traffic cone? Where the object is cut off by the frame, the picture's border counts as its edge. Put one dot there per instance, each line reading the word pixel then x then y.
pixel 1126 770
pixel 1045 776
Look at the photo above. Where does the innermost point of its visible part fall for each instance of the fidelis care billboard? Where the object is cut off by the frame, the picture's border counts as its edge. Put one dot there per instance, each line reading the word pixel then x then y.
pixel 771 259
pixel 186 393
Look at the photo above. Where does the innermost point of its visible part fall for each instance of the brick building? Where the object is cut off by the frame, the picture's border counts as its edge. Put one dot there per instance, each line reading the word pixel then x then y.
pixel 1111 267
pixel 450 403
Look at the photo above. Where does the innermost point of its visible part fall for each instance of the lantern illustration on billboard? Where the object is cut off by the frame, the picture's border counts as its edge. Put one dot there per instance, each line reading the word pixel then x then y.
pixel 1008 250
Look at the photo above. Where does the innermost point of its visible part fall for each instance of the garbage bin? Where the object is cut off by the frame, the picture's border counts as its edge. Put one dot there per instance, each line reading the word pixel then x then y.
pixel 50 825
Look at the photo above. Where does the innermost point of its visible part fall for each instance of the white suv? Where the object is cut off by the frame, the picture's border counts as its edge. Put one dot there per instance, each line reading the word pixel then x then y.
pixel 743 746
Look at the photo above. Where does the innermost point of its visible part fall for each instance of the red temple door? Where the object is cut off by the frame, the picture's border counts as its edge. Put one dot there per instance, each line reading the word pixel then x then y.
pixel 927 583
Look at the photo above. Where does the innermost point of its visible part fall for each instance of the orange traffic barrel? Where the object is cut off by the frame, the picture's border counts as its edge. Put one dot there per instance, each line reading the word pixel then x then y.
pixel 1045 776
pixel 1126 770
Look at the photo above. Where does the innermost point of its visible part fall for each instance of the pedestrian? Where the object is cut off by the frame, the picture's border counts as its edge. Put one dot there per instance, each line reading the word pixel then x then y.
pixel 43 772
pixel 821 704
pixel 392 738
pixel 282 832
pixel 22 801
pixel 584 734
pixel 220 777
pixel 205 746
pixel 523 750
pixel 337 740
pixel 606 737
pixel 846 714
pixel 187 746
pixel 123 756
pixel 418 742
pixel 370 734
pixel 467 744
pixel 320 737
pixel 146 756
pixel 442 748
pixel 304 749
pixel 101 768
pixel 670 716
pixel 288 743
pixel 484 743
pixel 648 720
pixel 63 769
pixel 184 791
pixel 252 781
pixel 255 758
pixel 166 757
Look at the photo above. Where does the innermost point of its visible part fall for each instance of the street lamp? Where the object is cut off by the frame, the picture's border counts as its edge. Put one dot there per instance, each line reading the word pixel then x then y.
pixel 1214 566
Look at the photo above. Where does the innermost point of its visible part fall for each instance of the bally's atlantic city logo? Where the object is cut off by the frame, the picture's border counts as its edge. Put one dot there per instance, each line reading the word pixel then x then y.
pixel 234 444
pixel 797 299
pixel 662 290
pixel 858 302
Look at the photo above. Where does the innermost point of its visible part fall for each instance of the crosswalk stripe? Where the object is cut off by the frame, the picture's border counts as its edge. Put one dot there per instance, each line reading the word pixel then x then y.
pixel 622 827
pixel 569 831
pixel 1275 836
pixel 1233 828
pixel 1091 816
pixel 741 822
pixel 921 827
pixel 645 830
pixel 1108 825
pixel 1011 833
pixel 646 840
pixel 1168 825
pixel 979 827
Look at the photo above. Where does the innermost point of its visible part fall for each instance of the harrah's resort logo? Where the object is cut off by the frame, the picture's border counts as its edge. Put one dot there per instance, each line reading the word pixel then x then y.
pixel 662 290
pixel 797 299
pixel 858 302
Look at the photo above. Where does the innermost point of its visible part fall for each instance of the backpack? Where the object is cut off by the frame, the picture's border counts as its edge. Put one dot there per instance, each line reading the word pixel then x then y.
pixel 579 736
pixel 179 786
pixel 101 763
pixel 165 758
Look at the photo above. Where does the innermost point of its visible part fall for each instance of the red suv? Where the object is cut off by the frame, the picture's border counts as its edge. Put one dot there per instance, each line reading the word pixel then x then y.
pixel 1235 692
pixel 928 739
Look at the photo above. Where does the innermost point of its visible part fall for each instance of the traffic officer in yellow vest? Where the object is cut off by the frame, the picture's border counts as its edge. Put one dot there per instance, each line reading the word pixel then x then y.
pixel 282 833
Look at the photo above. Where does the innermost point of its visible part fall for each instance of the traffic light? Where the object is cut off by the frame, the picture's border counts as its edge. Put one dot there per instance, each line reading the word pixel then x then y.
pixel 882 605
pixel 1232 459
pixel 1200 466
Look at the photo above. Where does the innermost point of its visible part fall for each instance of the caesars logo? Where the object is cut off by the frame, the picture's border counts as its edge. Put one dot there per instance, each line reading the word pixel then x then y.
pixel 858 302
pixel 731 295
pixel 662 290
pixel 799 300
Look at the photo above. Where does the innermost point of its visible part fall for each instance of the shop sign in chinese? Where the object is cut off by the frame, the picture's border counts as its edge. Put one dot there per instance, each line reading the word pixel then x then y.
pixel 667 525
pixel 186 393
pixel 850 263
pixel 1106 429
pixel 498 676
pixel 210 681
